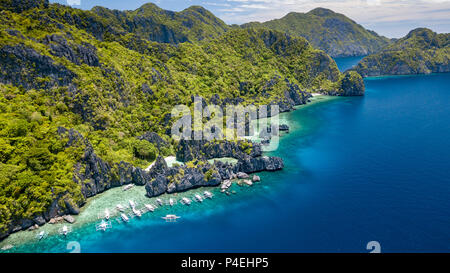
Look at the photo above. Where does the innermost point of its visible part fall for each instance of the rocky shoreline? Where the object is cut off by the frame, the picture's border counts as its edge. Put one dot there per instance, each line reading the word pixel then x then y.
pixel 96 175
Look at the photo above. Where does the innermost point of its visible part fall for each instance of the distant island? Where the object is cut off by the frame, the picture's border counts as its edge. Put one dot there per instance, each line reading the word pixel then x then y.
pixel 336 34
pixel 422 51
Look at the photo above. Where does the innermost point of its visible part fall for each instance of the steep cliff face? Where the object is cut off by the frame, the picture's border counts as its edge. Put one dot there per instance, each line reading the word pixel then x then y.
pixel 352 84
pixel 21 65
pixel 332 32
pixel 203 150
pixel 422 51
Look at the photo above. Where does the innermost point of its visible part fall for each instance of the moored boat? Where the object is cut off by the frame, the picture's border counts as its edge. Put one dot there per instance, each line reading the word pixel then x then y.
pixel 124 217
pixel 41 235
pixel 198 198
pixel 149 207
pixel 65 230
pixel 186 201
pixel 208 194
pixel 171 218
pixel 137 212
pixel 103 226
pixel 119 207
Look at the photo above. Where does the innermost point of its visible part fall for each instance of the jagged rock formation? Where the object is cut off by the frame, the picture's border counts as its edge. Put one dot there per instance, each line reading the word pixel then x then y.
pixel 21 65
pixel 155 139
pixel 204 174
pixel 203 150
pixel 94 175
pixel 422 51
pixel 77 54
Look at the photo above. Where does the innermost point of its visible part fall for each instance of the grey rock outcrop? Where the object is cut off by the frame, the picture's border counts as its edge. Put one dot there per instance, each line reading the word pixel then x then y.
pixel 204 150
pixel 76 53
pixel 259 164
pixel 21 65
pixel 154 138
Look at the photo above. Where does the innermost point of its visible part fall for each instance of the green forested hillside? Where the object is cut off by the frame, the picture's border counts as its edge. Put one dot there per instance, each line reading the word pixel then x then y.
pixel 76 69
pixel 332 32
pixel 155 24
pixel 422 51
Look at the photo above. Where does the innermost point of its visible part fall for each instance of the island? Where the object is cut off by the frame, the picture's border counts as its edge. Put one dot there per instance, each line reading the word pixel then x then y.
pixel 86 100
pixel 422 51
pixel 335 33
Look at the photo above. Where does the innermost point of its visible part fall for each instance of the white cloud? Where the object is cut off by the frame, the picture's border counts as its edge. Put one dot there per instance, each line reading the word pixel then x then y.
pixel 74 2
pixel 377 14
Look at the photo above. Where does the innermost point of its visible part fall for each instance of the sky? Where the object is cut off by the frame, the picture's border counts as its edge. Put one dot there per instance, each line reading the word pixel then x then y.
pixel 391 18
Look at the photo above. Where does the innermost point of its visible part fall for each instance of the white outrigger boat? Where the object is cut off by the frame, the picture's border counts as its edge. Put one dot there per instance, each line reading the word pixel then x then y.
pixel 103 226
pixel 208 194
pixel 171 202
pixel 127 187
pixel 186 201
pixel 65 230
pixel 171 218
pixel 159 201
pixel 137 212
pixel 119 207
pixel 149 207
pixel 42 235
pixel 124 217
pixel 198 198
pixel 132 204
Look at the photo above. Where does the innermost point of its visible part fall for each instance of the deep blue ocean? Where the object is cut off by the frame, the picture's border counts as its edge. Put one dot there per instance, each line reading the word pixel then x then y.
pixel 347 62
pixel 373 168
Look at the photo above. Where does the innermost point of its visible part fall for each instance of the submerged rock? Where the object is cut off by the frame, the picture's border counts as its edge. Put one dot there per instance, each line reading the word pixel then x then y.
pixel 242 175
pixel 256 178
pixel 247 182
pixel 225 184
pixel 69 219
pixel 39 220
pixel 284 127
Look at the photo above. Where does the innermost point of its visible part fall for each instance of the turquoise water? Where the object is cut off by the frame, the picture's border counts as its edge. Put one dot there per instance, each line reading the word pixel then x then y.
pixel 357 170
